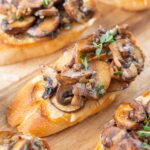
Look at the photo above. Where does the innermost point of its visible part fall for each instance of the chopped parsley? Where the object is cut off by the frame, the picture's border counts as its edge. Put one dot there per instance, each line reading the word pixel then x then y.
pixel 118 73
pixel 84 61
pixel 108 37
pixel 100 90
pixel 45 3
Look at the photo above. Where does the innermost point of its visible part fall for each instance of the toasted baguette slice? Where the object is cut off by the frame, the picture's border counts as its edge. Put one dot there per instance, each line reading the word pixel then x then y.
pixel 18 49
pixel 133 5
pixel 33 113
pixel 27 112
pixel 16 141
pixel 144 102
pixel 42 118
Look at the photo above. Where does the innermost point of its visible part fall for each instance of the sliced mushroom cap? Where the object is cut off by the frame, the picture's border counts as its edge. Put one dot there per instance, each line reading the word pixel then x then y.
pixel 64 94
pixel 18 26
pixel 127 144
pixel 103 74
pixel 84 46
pixel 66 108
pixel 45 27
pixel 129 115
pixel 128 57
pixel 113 135
pixel 47 12
pixel 70 76
pixel 117 85
pixel 73 9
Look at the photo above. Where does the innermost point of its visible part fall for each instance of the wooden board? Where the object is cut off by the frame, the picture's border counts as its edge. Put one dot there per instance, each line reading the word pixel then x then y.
pixel 84 135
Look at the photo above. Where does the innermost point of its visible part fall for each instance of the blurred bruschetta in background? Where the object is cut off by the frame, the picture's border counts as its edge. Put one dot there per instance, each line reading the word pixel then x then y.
pixel 130 127
pixel 30 28
pixel 132 5
pixel 16 141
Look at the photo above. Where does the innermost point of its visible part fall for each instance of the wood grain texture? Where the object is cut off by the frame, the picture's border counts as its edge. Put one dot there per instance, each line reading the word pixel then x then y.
pixel 84 135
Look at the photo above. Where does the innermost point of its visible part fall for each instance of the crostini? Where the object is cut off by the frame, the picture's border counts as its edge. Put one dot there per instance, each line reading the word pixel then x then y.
pixel 30 28
pixel 132 5
pixel 130 127
pixel 15 141
pixel 82 82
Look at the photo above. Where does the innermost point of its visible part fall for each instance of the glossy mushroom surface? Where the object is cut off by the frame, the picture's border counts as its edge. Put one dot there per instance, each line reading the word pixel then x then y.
pixel 130 128
pixel 88 73
pixel 42 18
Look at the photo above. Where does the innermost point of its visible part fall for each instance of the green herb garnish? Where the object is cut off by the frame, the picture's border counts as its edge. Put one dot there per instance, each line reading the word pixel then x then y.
pixel 143 133
pixel 100 90
pixel 144 146
pixel 84 61
pixel 45 3
pixel 118 73
pixel 108 37
pixel 147 128
pixel 99 47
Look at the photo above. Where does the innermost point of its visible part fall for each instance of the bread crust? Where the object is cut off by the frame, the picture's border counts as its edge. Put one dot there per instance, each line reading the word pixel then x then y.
pixel 27 114
pixel 14 50
pixel 132 5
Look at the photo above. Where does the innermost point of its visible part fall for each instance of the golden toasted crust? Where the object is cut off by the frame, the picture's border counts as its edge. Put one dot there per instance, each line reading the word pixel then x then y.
pixel 15 50
pixel 41 118
pixel 133 5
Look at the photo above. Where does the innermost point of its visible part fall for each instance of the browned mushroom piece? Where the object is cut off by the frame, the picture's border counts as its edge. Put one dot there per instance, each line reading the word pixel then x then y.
pixel 27 7
pixel 117 85
pixel 148 108
pixel 94 87
pixel 45 27
pixel 47 12
pixel 64 94
pixel 79 89
pixel 128 57
pixel 10 140
pixel 74 10
pixel 85 46
pixel 129 115
pixel 18 26
pixel 127 144
pixel 70 76
pixel 113 135
pixel 67 108
pixel 50 82
pixel 103 74
pixel 51 73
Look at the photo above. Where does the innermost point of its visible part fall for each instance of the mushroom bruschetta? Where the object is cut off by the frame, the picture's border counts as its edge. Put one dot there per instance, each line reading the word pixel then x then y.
pixel 81 83
pixel 130 128
pixel 12 141
pixel 133 5
pixel 32 28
